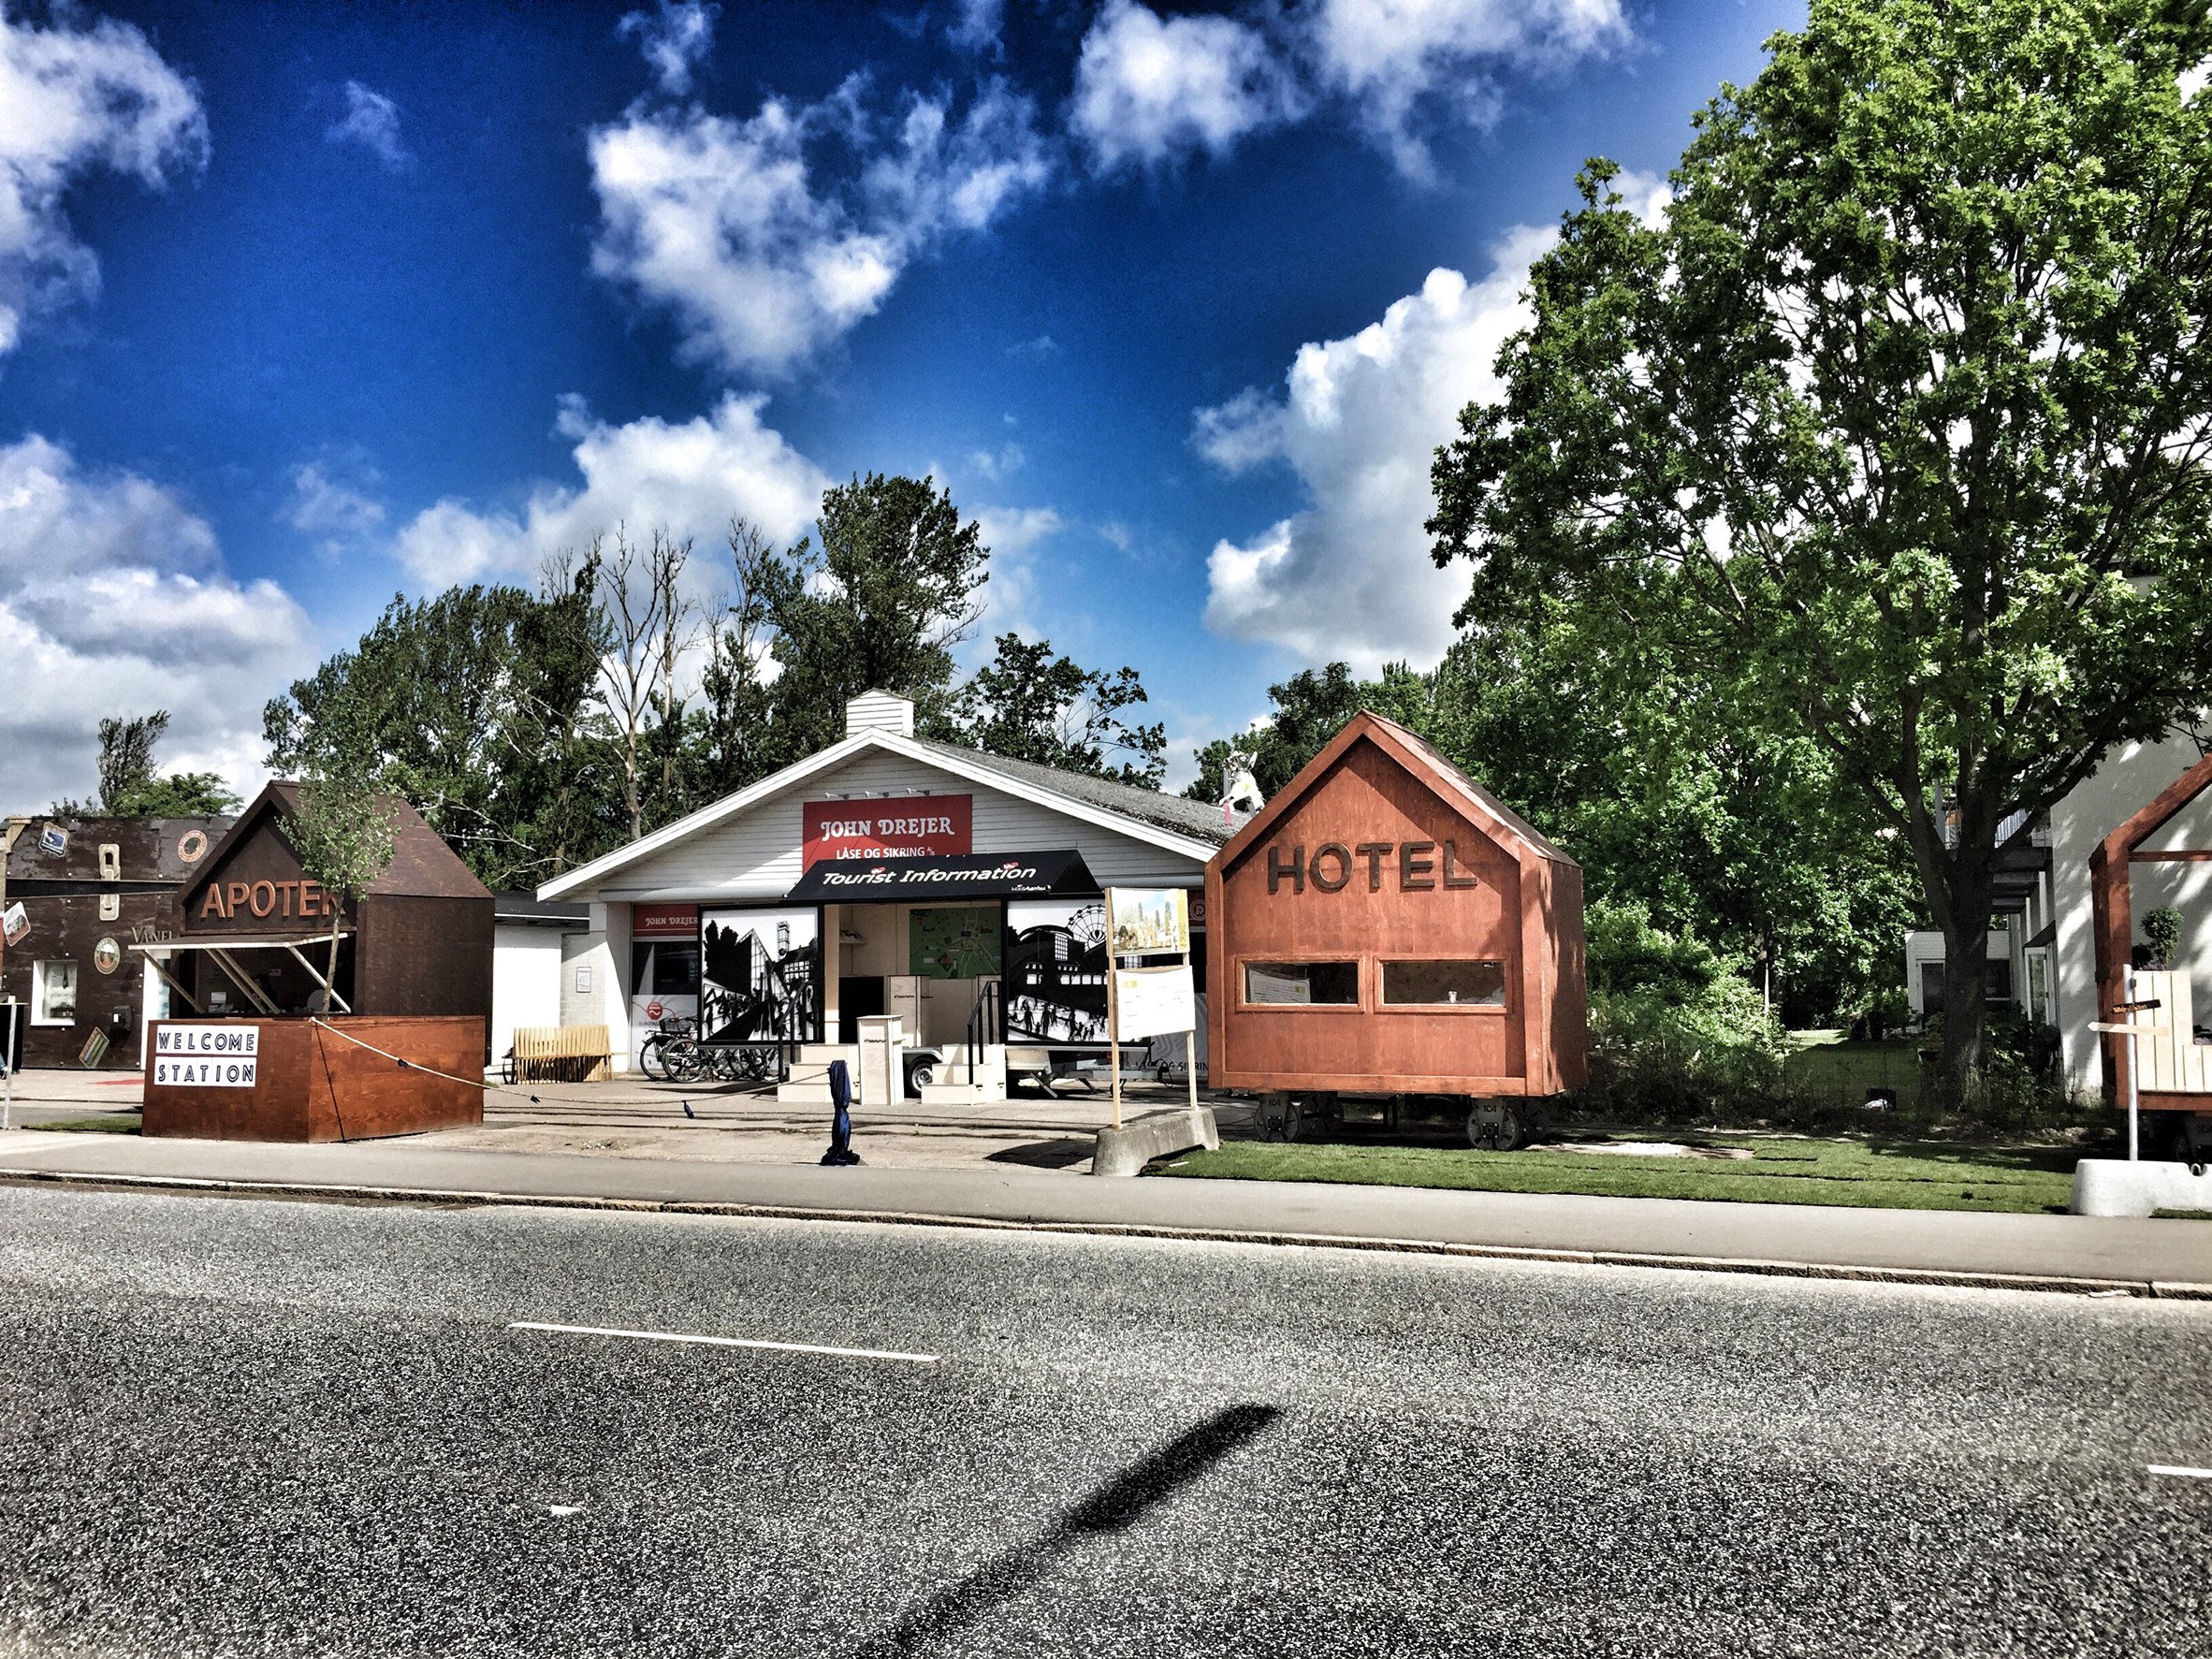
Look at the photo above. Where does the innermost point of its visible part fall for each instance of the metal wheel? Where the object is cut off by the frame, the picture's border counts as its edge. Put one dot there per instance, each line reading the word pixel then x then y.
pixel 756 1063
pixel 1277 1117
pixel 923 1075
pixel 682 1059
pixel 1496 1125
pixel 650 1058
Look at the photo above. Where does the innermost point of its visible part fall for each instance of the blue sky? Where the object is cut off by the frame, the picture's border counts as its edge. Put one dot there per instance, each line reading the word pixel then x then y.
pixel 304 305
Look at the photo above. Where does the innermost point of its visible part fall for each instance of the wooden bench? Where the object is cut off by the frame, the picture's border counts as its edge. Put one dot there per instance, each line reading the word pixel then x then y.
pixel 562 1054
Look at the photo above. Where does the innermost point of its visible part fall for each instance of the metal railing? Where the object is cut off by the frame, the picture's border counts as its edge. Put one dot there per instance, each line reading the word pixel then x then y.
pixel 986 1025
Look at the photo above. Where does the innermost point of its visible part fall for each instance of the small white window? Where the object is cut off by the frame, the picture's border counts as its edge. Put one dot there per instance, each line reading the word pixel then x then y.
pixel 54 994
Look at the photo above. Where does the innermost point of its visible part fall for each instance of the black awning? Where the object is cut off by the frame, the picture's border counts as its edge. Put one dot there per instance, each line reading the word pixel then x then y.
pixel 961 875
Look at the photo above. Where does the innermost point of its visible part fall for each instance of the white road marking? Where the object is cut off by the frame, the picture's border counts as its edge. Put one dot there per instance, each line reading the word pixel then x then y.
pixel 2182 1470
pixel 564 1510
pixel 728 1341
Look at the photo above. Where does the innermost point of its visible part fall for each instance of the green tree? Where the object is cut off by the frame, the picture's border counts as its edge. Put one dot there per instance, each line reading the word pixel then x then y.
pixel 1663 804
pixel 1030 705
pixel 128 786
pixel 892 589
pixel 477 706
pixel 734 742
pixel 1894 423
pixel 343 829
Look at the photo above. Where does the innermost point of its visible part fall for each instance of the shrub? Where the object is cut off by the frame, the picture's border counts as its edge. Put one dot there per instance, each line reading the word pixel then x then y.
pixel 2161 928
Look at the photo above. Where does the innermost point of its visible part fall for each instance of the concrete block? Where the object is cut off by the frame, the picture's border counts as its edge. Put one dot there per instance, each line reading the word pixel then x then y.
pixel 2113 1187
pixel 1126 1151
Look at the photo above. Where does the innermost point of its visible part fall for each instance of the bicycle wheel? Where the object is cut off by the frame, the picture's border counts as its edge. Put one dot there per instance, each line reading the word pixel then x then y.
pixel 650 1058
pixel 682 1059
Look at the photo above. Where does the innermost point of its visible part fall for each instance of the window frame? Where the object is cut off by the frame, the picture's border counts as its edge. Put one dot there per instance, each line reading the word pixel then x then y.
pixel 39 1016
pixel 1359 990
pixel 1503 1006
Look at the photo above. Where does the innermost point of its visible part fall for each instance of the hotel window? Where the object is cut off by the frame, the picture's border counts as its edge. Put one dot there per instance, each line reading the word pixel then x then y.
pixel 54 993
pixel 1444 984
pixel 1302 984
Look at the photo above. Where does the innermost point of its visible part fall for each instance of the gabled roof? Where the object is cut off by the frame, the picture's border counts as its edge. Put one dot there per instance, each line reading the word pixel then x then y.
pixel 1418 757
pixel 1187 827
pixel 422 865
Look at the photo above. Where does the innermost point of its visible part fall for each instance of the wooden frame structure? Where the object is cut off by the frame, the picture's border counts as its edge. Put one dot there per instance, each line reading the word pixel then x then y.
pixel 2174 1075
pixel 1437 936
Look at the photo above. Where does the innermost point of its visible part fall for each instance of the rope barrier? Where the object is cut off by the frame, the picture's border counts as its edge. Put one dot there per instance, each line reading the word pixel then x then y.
pixel 406 1065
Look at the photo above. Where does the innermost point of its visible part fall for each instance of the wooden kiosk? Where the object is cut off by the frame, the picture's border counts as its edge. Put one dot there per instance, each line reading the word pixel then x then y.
pixel 1387 927
pixel 2169 1070
pixel 258 1047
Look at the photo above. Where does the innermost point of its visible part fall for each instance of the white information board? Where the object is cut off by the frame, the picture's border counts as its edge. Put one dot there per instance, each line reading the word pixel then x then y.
pixel 1151 1001
pixel 222 1057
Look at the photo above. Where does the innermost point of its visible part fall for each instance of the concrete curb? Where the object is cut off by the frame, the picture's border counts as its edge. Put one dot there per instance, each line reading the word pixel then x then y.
pixel 2162 1288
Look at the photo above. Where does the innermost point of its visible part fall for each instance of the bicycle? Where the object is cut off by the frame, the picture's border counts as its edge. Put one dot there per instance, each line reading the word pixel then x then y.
pixel 659 1053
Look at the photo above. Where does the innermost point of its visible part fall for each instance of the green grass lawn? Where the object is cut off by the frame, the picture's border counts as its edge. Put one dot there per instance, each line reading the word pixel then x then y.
pixel 110 1123
pixel 1895 1175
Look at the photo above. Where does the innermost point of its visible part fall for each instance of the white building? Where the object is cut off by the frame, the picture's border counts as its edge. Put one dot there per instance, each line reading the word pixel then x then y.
pixel 888 875
pixel 2044 961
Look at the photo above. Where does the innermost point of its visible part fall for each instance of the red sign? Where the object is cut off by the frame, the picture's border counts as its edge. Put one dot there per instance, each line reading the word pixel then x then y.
pixel 664 920
pixel 892 827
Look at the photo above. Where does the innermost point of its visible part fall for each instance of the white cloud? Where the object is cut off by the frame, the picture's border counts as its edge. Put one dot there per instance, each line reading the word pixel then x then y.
pixel 977 26
pixel 690 476
pixel 372 121
pixel 1390 56
pixel 1148 89
pixel 83 94
pixel 673 38
pixel 335 513
pixel 1351 575
pixel 1010 597
pixel 1240 434
pixel 762 260
pixel 997 464
pixel 114 600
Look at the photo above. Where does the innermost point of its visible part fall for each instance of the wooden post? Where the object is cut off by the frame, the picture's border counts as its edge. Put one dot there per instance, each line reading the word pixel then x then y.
pixel 1113 1009
pixel 1190 1036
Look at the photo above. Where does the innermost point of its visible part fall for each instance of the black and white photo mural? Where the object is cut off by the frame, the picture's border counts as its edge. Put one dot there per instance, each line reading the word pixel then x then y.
pixel 1054 976
pixel 760 976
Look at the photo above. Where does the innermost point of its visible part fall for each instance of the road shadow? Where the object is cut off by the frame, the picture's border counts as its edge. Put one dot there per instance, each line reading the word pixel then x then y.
pixel 1114 1508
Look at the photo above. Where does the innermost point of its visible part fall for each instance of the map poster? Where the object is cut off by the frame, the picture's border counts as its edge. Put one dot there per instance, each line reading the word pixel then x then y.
pixel 1152 1001
pixel 952 943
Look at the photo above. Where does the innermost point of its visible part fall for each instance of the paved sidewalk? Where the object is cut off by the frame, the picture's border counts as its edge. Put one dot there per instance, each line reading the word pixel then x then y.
pixel 1920 1244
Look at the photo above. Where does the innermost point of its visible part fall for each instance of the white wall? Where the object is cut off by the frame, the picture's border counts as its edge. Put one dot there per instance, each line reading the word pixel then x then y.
pixel 594 977
pixel 2129 778
pixel 525 982
pixel 757 855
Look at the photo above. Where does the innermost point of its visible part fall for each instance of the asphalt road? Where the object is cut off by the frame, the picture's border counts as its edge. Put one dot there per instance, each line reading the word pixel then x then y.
pixel 246 1427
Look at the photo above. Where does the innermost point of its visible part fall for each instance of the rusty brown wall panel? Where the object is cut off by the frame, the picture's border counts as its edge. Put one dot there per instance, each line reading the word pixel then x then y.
pixel 1523 911
pixel 315 1085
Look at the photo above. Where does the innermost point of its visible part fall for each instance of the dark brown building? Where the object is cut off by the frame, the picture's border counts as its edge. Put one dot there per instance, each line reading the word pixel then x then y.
pixel 89 891
pixel 254 931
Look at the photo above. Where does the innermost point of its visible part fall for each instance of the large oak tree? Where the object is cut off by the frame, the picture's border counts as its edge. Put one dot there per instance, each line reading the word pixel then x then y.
pixel 1894 420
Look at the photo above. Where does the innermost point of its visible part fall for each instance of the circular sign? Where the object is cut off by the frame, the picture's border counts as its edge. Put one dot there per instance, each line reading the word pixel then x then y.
pixel 106 955
pixel 654 1010
pixel 191 846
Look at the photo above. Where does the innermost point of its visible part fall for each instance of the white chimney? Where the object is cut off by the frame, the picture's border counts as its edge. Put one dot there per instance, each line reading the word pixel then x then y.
pixel 880 711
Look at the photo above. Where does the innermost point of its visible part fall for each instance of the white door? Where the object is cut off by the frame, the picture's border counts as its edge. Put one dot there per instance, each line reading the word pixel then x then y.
pixel 524 983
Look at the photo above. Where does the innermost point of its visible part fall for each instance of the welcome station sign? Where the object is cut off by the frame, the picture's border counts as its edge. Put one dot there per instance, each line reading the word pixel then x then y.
pixel 214 1057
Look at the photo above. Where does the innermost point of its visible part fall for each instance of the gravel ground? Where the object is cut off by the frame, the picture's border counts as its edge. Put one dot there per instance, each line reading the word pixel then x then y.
pixel 234 1427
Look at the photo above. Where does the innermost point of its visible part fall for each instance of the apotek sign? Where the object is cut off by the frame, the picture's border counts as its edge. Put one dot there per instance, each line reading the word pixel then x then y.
pixel 897 827
pixel 220 1056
